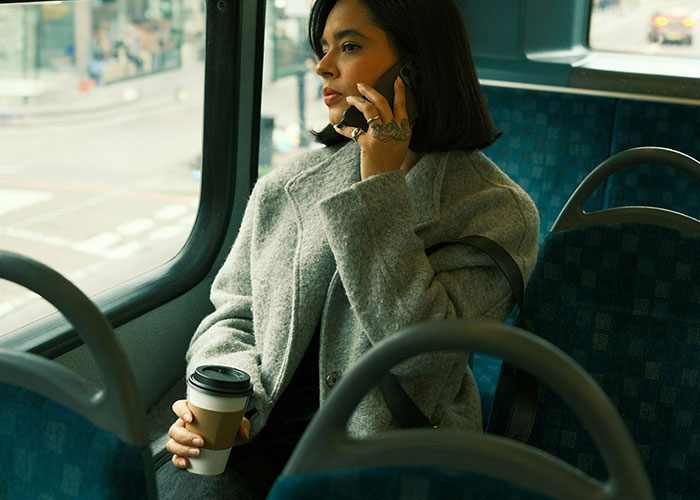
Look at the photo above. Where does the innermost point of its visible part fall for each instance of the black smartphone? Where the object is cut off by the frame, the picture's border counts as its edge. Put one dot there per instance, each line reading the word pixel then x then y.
pixel 353 117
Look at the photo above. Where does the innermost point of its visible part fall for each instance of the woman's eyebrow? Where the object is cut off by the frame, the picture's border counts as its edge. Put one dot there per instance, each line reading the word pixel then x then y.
pixel 339 35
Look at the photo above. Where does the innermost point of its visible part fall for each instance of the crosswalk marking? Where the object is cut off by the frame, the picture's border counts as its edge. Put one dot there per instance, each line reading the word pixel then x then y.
pixel 171 211
pixel 136 226
pixel 125 241
pixel 15 199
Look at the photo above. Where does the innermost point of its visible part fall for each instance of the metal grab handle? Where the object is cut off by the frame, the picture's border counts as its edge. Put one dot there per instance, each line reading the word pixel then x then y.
pixel 118 408
pixel 573 215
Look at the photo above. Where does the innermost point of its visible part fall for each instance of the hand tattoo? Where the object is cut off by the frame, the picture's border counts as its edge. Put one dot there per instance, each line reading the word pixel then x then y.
pixel 392 132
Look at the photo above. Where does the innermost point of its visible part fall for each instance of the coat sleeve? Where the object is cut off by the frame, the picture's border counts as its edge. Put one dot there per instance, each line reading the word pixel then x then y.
pixel 226 336
pixel 391 282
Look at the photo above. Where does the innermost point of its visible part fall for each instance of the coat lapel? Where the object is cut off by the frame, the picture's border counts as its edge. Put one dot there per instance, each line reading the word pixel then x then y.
pixel 314 263
pixel 425 184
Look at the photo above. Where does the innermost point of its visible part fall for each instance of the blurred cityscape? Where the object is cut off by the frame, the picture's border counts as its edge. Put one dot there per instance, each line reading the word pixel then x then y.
pixel 60 60
pixel 52 46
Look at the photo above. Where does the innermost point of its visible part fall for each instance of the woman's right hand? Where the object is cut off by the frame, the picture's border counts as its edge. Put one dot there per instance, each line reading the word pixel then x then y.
pixel 184 443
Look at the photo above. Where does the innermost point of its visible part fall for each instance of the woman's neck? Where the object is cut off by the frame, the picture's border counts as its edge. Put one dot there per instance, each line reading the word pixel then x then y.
pixel 411 159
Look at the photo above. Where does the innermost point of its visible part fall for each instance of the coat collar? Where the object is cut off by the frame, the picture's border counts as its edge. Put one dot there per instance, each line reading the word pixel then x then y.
pixel 342 169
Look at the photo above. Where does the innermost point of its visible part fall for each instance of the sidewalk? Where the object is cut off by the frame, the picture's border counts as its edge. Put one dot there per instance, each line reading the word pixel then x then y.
pixel 55 94
pixel 61 99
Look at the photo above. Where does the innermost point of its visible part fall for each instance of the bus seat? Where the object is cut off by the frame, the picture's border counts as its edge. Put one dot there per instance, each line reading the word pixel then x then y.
pixel 619 291
pixel 547 152
pixel 443 463
pixel 66 438
pixel 674 126
pixel 550 140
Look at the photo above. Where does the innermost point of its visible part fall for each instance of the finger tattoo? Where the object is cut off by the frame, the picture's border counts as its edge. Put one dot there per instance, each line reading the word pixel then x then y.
pixel 391 131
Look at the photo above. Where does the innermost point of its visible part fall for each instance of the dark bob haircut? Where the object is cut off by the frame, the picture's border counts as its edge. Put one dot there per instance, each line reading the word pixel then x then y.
pixel 430 34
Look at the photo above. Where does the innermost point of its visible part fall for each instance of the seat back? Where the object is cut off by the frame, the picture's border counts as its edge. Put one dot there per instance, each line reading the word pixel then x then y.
pixel 69 438
pixel 670 125
pixel 624 302
pixel 619 291
pixel 329 464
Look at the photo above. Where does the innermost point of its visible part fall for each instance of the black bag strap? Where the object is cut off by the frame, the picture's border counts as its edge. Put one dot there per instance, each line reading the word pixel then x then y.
pixel 500 256
pixel 522 415
pixel 402 407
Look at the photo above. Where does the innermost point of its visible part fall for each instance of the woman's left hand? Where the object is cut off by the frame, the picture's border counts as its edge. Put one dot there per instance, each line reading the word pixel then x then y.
pixel 385 144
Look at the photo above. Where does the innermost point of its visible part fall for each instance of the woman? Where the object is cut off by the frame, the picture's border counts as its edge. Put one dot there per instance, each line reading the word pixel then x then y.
pixel 330 258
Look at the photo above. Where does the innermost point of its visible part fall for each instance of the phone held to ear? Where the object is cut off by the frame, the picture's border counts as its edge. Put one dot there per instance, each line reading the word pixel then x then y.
pixel 353 117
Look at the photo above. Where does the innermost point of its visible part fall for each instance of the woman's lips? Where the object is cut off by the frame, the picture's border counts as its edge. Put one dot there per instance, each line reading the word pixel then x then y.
pixel 330 95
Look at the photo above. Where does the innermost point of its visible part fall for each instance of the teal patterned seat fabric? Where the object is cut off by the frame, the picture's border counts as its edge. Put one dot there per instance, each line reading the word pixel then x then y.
pixel 624 302
pixel 396 483
pixel 550 142
pixel 52 453
pixel 673 126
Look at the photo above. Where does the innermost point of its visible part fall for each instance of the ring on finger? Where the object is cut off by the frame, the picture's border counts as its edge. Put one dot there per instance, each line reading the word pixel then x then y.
pixel 373 119
pixel 357 133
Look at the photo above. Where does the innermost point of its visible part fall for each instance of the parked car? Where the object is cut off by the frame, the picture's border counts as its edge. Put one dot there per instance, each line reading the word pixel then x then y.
pixel 672 25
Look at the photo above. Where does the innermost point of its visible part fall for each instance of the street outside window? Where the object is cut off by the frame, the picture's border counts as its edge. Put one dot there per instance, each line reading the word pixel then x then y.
pixel 101 111
pixel 292 104
pixel 649 27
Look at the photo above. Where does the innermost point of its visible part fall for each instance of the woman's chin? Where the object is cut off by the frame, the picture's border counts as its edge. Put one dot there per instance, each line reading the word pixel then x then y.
pixel 335 115
pixel 334 119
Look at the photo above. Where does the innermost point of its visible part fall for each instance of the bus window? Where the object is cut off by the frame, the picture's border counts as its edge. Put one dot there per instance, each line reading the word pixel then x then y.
pixel 650 27
pixel 292 103
pixel 101 106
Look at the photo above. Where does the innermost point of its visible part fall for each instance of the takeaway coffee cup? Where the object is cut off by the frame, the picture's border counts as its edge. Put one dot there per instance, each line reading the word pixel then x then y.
pixel 217 397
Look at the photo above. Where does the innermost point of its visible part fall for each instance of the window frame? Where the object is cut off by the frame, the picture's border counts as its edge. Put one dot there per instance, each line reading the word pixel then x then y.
pixel 538 46
pixel 232 101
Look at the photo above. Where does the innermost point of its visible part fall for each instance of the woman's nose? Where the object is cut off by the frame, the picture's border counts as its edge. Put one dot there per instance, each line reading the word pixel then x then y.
pixel 325 67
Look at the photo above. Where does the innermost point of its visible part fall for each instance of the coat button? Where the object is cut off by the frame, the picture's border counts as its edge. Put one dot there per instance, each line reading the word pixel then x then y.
pixel 332 379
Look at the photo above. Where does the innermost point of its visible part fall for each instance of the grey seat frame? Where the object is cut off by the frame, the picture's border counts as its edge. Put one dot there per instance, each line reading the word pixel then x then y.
pixel 573 216
pixel 116 408
pixel 326 446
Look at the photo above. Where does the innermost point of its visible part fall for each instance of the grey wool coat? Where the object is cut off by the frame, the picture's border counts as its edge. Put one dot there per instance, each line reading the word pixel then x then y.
pixel 318 247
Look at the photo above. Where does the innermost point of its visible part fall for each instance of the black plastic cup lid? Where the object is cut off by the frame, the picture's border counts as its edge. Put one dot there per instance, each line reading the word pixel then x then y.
pixel 221 380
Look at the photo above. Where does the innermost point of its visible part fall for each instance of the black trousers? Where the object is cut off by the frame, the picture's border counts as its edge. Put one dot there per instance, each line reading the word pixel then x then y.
pixel 250 472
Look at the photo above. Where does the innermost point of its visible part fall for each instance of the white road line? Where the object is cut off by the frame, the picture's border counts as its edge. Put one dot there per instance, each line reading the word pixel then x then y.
pixel 69 209
pixel 25 234
pixel 98 244
pixel 123 251
pixel 172 211
pixel 15 199
pixel 167 232
pixel 136 226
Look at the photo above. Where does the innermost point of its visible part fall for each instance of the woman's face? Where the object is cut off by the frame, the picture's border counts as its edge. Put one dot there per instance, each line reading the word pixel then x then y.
pixel 355 51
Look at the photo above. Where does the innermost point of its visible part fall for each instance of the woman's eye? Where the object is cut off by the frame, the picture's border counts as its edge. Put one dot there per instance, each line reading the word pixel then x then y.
pixel 349 47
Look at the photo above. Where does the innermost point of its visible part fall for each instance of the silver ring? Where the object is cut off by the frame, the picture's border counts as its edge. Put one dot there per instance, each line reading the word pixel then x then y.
pixel 357 133
pixel 373 118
